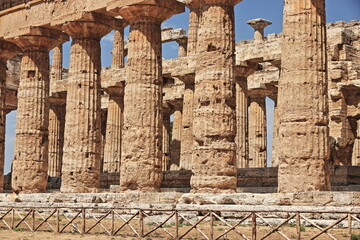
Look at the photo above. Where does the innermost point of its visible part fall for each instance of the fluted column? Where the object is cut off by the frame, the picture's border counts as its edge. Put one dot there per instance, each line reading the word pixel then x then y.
pixel 82 145
pixel 118 49
pixel 142 132
pixel 166 141
pixel 193 28
pixel 182 47
pixel 56 119
pixel 303 105
pixel 30 164
pixel 7 50
pixel 175 147
pixel 214 155
pixel 275 143
pixel 112 151
pixel 187 135
pixel 257 132
pixel 356 149
pixel 242 120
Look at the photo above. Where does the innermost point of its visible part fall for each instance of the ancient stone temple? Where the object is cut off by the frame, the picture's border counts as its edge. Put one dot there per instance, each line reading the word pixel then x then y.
pixel 198 123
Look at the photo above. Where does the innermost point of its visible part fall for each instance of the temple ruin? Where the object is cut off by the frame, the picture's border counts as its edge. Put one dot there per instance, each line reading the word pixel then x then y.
pixel 196 123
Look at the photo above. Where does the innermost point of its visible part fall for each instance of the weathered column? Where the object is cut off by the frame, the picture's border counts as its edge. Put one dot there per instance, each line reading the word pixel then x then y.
pixel 242 120
pixel 193 27
pixel 275 144
pixel 56 119
pixel 82 145
pixel 356 149
pixel 175 147
pixel 112 151
pixel 302 98
pixel 7 50
pixel 187 135
pixel 259 25
pixel 30 164
pixel 214 155
pixel 118 49
pixel 242 116
pixel 142 132
pixel 166 141
pixel 257 132
pixel 182 47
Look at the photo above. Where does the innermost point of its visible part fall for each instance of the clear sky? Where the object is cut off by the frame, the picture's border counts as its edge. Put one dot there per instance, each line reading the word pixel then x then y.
pixel 337 10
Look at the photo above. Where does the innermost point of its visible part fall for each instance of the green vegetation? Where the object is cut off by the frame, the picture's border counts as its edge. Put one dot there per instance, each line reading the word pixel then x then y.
pixel 355 237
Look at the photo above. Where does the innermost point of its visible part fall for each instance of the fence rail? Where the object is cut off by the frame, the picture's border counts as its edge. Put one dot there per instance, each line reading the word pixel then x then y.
pixel 179 224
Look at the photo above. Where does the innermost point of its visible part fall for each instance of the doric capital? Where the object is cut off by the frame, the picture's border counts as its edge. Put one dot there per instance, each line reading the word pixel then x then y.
pixel 40 38
pixel 245 69
pixel 8 50
pixel 146 10
pixel 91 25
pixel 196 4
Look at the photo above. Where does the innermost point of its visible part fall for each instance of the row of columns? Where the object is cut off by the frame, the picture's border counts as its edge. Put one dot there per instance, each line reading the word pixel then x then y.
pixel 212 94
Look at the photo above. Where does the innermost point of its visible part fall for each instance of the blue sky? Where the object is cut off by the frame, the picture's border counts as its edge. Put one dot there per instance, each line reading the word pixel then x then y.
pixel 337 10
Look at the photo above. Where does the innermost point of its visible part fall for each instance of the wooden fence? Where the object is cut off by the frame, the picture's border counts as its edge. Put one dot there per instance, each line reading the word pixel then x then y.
pixel 176 223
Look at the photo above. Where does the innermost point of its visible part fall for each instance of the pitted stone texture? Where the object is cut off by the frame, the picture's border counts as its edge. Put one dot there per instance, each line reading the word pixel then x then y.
pixel 142 131
pixel 242 124
pixel 356 150
pixel 166 141
pixel 257 132
pixel 214 100
pixel 30 164
pixel 303 105
pixel 7 50
pixel 112 151
pixel 118 49
pixel 187 136
pixel 176 141
pixel 82 145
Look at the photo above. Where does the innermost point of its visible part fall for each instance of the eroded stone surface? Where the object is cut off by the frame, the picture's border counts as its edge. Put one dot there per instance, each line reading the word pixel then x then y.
pixel 303 107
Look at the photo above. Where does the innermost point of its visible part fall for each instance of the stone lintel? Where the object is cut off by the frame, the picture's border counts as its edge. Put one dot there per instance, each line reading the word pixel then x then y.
pixel 141 10
pixel 8 50
pixel 196 4
pixel 39 38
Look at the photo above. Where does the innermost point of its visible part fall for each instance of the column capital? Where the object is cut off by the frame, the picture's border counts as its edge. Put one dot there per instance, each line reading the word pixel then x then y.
pixel 187 79
pixel 196 4
pixel 259 24
pixel 39 38
pixel 245 69
pixel 146 10
pixel 8 50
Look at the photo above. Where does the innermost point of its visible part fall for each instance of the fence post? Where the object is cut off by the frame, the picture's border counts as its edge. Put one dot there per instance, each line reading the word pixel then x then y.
pixel 33 219
pixel 58 220
pixel 176 225
pixel 13 218
pixel 83 221
pixel 212 226
pixel 141 218
pixel 298 226
pixel 349 225
pixel 253 220
pixel 112 222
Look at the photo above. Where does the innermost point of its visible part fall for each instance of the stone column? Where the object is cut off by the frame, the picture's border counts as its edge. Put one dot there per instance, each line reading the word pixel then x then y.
pixel 242 120
pixel 257 132
pixel 187 135
pixel 7 50
pixel 30 164
pixel 166 141
pixel 118 49
pixel 259 25
pixel 356 149
pixel 214 155
pixel 112 151
pixel 56 119
pixel 193 28
pixel 142 132
pixel 182 47
pixel 82 145
pixel 303 101
pixel 275 144
pixel 175 147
